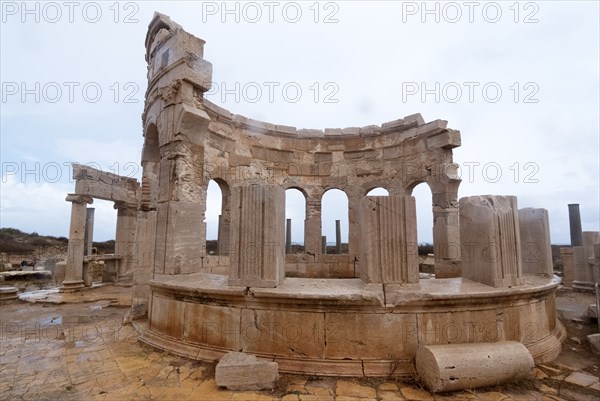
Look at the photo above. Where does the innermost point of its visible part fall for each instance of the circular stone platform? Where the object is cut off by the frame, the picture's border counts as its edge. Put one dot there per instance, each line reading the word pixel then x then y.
pixel 344 327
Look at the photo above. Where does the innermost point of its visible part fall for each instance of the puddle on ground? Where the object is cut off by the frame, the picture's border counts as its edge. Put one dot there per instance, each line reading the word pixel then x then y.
pixel 54 319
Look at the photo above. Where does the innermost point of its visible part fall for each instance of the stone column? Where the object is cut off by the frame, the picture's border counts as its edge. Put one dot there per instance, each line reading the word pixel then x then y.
pixel 224 223
pixel 288 236
pixel 312 227
pixel 338 238
pixel 536 250
pixel 324 243
pixel 257 256
pixel 584 261
pixel 125 239
pixel 491 240
pixel 575 225
pixel 581 266
pixel 89 230
pixel 354 199
pixel 145 241
pixel 566 254
pixel 596 266
pixel 446 234
pixel 389 240
pixel 590 238
pixel 74 269
pixel 219 235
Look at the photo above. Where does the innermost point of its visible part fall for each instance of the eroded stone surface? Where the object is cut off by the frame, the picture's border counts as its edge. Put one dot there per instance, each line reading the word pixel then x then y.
pixel 240 371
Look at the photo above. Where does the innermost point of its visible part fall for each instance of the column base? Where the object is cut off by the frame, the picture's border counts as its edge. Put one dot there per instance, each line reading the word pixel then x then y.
pixel 71 285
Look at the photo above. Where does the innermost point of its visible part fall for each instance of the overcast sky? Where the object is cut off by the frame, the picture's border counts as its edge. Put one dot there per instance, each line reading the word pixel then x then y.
pixel 519 80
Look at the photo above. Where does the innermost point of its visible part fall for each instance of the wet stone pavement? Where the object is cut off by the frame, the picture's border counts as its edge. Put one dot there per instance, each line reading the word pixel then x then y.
pixel 77 349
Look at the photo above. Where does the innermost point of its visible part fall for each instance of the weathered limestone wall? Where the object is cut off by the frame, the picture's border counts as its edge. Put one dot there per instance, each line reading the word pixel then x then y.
pixel 490 240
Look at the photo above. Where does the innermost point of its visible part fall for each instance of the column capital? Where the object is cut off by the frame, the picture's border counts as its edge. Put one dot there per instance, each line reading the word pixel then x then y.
pixel 79 198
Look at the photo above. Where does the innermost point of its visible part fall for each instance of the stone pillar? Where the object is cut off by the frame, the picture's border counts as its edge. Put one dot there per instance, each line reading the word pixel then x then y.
pixel 338 238
pixel 257 256
pixel 584 261
pixel 219 236
pixel 74 269
pixel 536 251
pixel 324 243
pixel 288 236
pixel 581 267
pixel 143 267
pixel 354 199
pixel 590 239
pixel 389 240
pixel 312 227
pixel 125 239
pixel 566 254
pixel 491 240
pixel 446 235
pixel 89 231
pixel 224 222
pixel 596 266
pixel 575 225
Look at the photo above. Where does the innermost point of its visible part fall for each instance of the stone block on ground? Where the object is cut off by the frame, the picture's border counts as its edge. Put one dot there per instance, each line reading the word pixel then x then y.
pixel 452 367
pixel 240 371
pixel 594 340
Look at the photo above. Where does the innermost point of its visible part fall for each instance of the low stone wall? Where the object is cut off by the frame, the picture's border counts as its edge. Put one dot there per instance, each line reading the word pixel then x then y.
pixel 346 327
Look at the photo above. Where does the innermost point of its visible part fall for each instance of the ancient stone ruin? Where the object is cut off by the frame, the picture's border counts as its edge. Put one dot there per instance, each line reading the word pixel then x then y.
pixel 363 313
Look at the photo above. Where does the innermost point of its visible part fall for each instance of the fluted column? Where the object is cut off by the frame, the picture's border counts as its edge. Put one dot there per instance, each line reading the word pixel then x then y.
pixel 389 240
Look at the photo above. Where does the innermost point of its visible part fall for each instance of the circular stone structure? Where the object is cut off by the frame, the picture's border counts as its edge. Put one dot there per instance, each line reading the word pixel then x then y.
pixel 363 313
pixel 345 327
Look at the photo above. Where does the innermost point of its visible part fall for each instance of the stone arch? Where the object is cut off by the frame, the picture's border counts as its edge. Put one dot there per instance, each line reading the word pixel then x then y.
pixel 297 221
pixel 151 149
pixel 378 191
pixel 368 187
pixel 344 222
pixel 150 167
pixel 224 219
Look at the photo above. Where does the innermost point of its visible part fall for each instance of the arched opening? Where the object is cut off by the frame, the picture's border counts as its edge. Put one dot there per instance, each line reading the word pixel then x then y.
pixel 295 215
pixel 424 200
pixel 379 191
pixel 150 166
pixel 214 202
pixel 334 221
pixel 217 217
pixel 151 151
